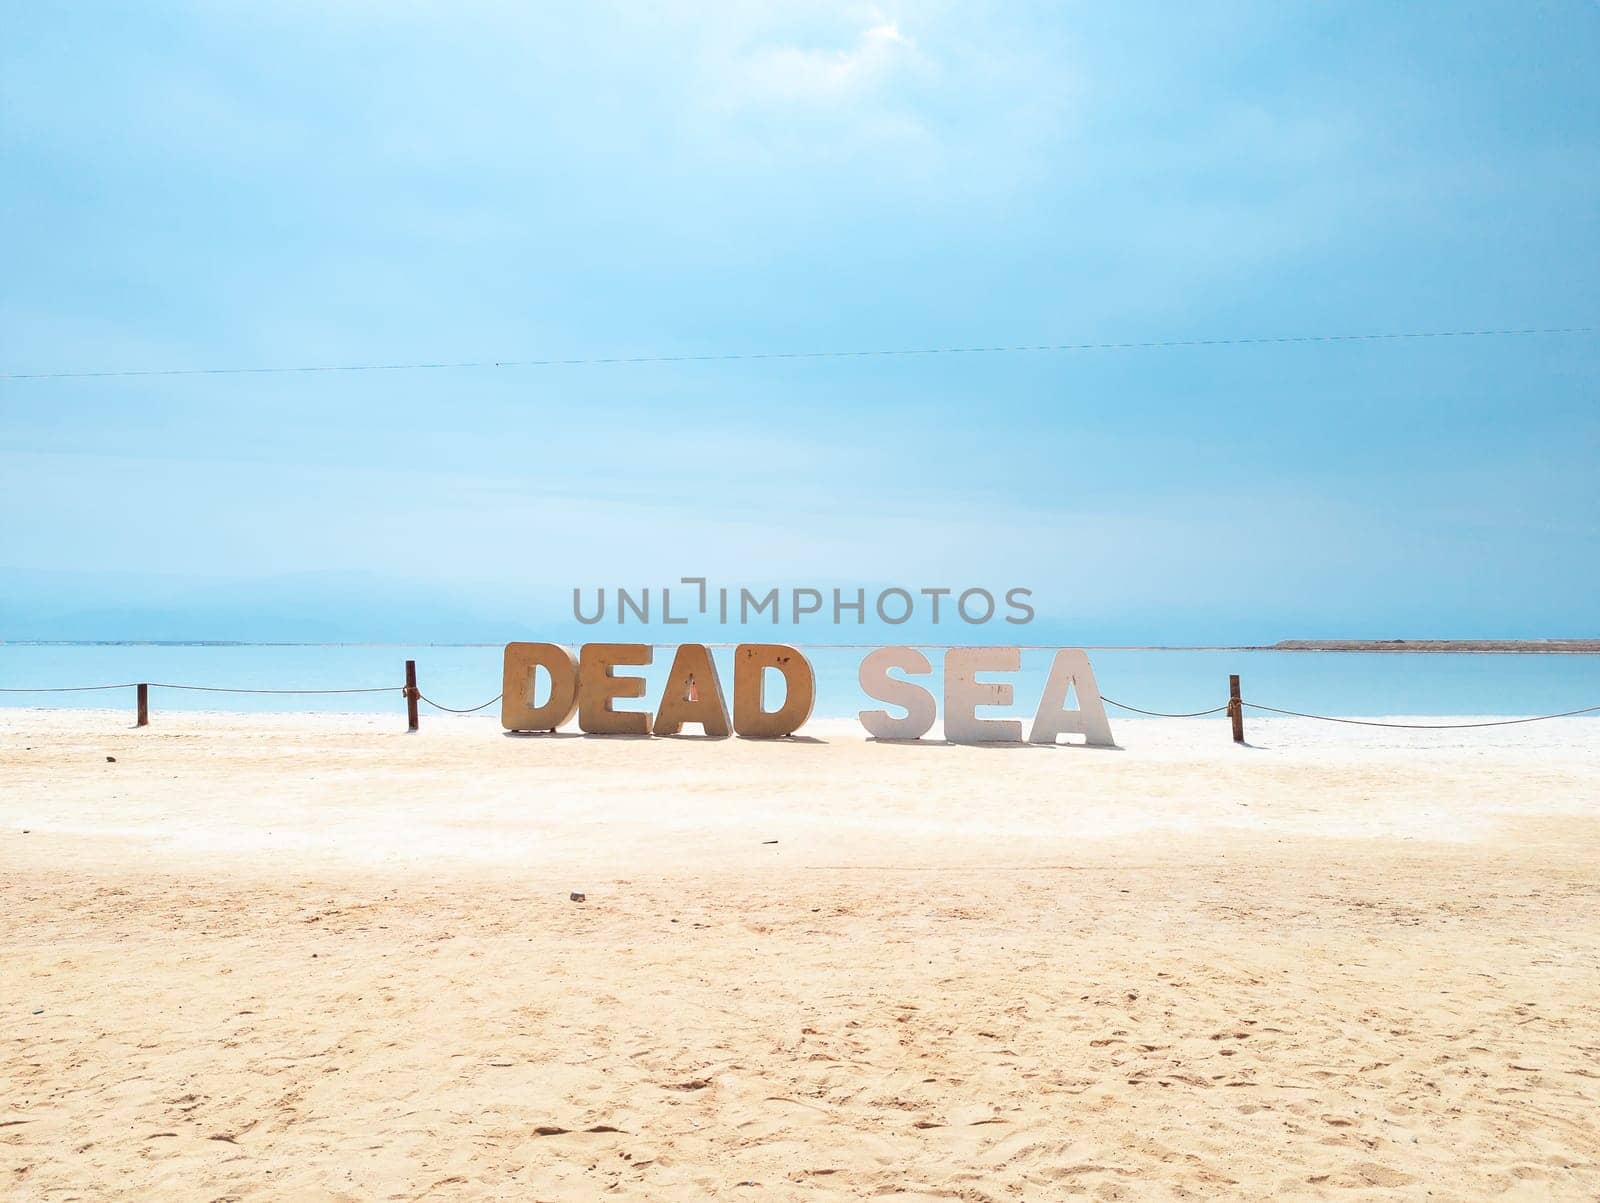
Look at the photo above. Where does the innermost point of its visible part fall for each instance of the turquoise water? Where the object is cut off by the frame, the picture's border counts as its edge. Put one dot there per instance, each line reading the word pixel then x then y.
pixel 1339 683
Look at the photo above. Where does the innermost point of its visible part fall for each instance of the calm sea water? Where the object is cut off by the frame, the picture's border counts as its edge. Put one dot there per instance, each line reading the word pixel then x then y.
pixel 1339 683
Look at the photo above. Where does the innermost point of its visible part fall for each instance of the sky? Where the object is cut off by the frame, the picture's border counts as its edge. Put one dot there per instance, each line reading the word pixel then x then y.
pixel 295 184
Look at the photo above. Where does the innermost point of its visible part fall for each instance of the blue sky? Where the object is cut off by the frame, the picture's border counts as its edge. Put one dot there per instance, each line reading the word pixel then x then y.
pixel 200 186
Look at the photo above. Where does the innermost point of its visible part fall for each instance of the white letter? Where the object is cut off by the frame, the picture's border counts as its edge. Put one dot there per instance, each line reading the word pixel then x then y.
pixel 963 694
pixel 877 684
pixel 1071 669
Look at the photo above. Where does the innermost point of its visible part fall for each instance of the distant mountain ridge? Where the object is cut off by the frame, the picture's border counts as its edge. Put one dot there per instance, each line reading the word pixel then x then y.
pixel 1569 646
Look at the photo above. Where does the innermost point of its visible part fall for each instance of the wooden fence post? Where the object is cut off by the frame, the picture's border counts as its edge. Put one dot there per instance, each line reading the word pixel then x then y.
pixel 1235 708
pixel 142 692
pixel 411 695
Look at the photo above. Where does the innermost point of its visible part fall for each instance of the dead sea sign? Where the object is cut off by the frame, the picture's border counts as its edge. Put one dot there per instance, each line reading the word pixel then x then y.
pixel 589 682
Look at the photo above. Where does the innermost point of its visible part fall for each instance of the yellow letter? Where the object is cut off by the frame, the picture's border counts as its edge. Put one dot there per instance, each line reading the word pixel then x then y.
pixel 597 688
pixel 750 719
pixel 523 661
pixel 693 664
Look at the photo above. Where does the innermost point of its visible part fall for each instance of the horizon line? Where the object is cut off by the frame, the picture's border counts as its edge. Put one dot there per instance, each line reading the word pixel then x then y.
pixel 1504 646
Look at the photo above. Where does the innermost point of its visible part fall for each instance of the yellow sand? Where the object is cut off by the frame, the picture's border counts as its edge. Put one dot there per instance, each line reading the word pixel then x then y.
pixel 297 957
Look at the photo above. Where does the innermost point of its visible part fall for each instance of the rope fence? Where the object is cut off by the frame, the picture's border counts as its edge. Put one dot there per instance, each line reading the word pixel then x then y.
pixel 1366 722
pixel 194 688
pixel 1163 713
pixel 468 710
pixel 1234 707
pixel 69 688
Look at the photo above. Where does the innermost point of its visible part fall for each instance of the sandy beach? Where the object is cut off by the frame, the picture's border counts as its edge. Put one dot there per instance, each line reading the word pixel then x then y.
pixel 299 957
